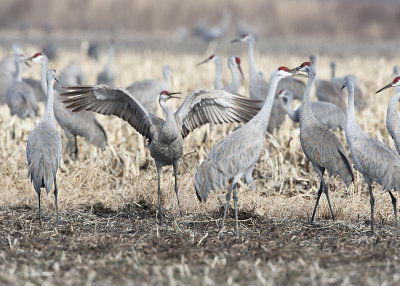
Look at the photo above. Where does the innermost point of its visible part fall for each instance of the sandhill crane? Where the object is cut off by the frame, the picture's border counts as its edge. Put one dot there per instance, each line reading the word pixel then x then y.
pixel 373 159
pixel 71 75
pixel 320 145
pixel 327 91
pixel 165 136
pixel 396 74
pixel 259 86
pixel 358 96
pixel 233 86
pixel 106 76
pixel 209 34
pixel 392 117
pixel 20 96
pixel 44 149
pixel 326 113
pixel 218 84
pixel 147 91
pixel 82 124
pixel 236 155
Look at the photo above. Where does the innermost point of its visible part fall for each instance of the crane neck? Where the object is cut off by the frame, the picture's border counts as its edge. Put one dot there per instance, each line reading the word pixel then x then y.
pixel 49 111
pixel 18 74
pixel 262 117
pixel 234 85
pixel 332 72
pixel 252 66
pixel 306 113
pixel 351 121
pixel 293 114
pixel 392 107
pixel 218 75
pixel 110 57
pixel 43 71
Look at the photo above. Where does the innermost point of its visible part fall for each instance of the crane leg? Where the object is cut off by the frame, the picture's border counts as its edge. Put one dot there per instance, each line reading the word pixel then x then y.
pixel 235 199
pixel 327 197
pixel 394 210
pixel 316 203
pixel 76 146
pixel 40 215
pixel 372 203
pixel 159 195
pixel 176 187
pixel 56 199
pixel 228 198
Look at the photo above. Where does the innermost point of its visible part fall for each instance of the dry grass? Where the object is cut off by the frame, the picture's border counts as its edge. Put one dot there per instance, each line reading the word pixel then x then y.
pixel 124 174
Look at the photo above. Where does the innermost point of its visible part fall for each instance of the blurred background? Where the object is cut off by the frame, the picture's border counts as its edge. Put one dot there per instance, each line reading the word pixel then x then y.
pixel 289 25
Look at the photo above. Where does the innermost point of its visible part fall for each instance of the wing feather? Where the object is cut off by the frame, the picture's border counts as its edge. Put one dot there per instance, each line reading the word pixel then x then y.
pixel 107 100
pixel 216 106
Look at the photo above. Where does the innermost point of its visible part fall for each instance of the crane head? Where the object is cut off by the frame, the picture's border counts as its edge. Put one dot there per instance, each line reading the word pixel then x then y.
pixel 37 58
pixel 51 74
pixel 165 95
pixel 22 59
pixel 283 72
pixel 307 67
pixel 395 82
pixel 348 81
pixel 237 60
pixel 285 95
pixel 212 58
pixel 247 38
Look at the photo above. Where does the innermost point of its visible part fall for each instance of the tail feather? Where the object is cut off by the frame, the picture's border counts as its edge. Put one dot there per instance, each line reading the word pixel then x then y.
pixel 208 177
pixel 42 175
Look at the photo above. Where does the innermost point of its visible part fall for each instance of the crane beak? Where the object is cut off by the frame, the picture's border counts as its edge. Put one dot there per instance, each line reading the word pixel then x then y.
pixel 26 61
pixel 56 79
pixel 240 70
pixel 172 93
pixel 385 87
pixel 203 62
pixel 235 41
pixel 295 72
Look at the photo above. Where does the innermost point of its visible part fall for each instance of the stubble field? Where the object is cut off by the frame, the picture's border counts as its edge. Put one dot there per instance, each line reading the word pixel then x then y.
pixel 109 232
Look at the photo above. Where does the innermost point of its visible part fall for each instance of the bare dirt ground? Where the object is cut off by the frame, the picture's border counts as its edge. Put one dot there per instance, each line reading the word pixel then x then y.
pixel 109 233
pixel 100 246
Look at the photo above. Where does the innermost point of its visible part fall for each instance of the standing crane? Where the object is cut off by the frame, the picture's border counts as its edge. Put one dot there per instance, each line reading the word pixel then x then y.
pixel 320 145
pixel 358 96
pixel 44 149
pixel 106 76
pixel 327 91
pixel 82 124
pixel 146 90
pixel 165 136
pixel 373 159
pixel 392 117
pixel 20 96
pixel 326 113
pixel 236 155
pixel 218 84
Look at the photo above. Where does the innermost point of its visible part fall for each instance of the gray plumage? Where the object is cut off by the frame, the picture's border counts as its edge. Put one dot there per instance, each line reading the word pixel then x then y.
pixel 50 49
pixel 71 75
pixel 320 145
pixel 373 159
pixel 107 76
pixel 8 71
pixel 236 155
pixel 208 34
pixel 82 124
pixel 259 87
pixel 94 50
pixel 327 91
pixel 147 91
pixel 20 96
pixel 358 96
pixel 326 113
pixel 44 149
pixel 165 136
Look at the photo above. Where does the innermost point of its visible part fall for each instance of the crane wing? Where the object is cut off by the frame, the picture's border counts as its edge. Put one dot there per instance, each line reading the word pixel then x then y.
pixel 214 106
pixel 108 100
